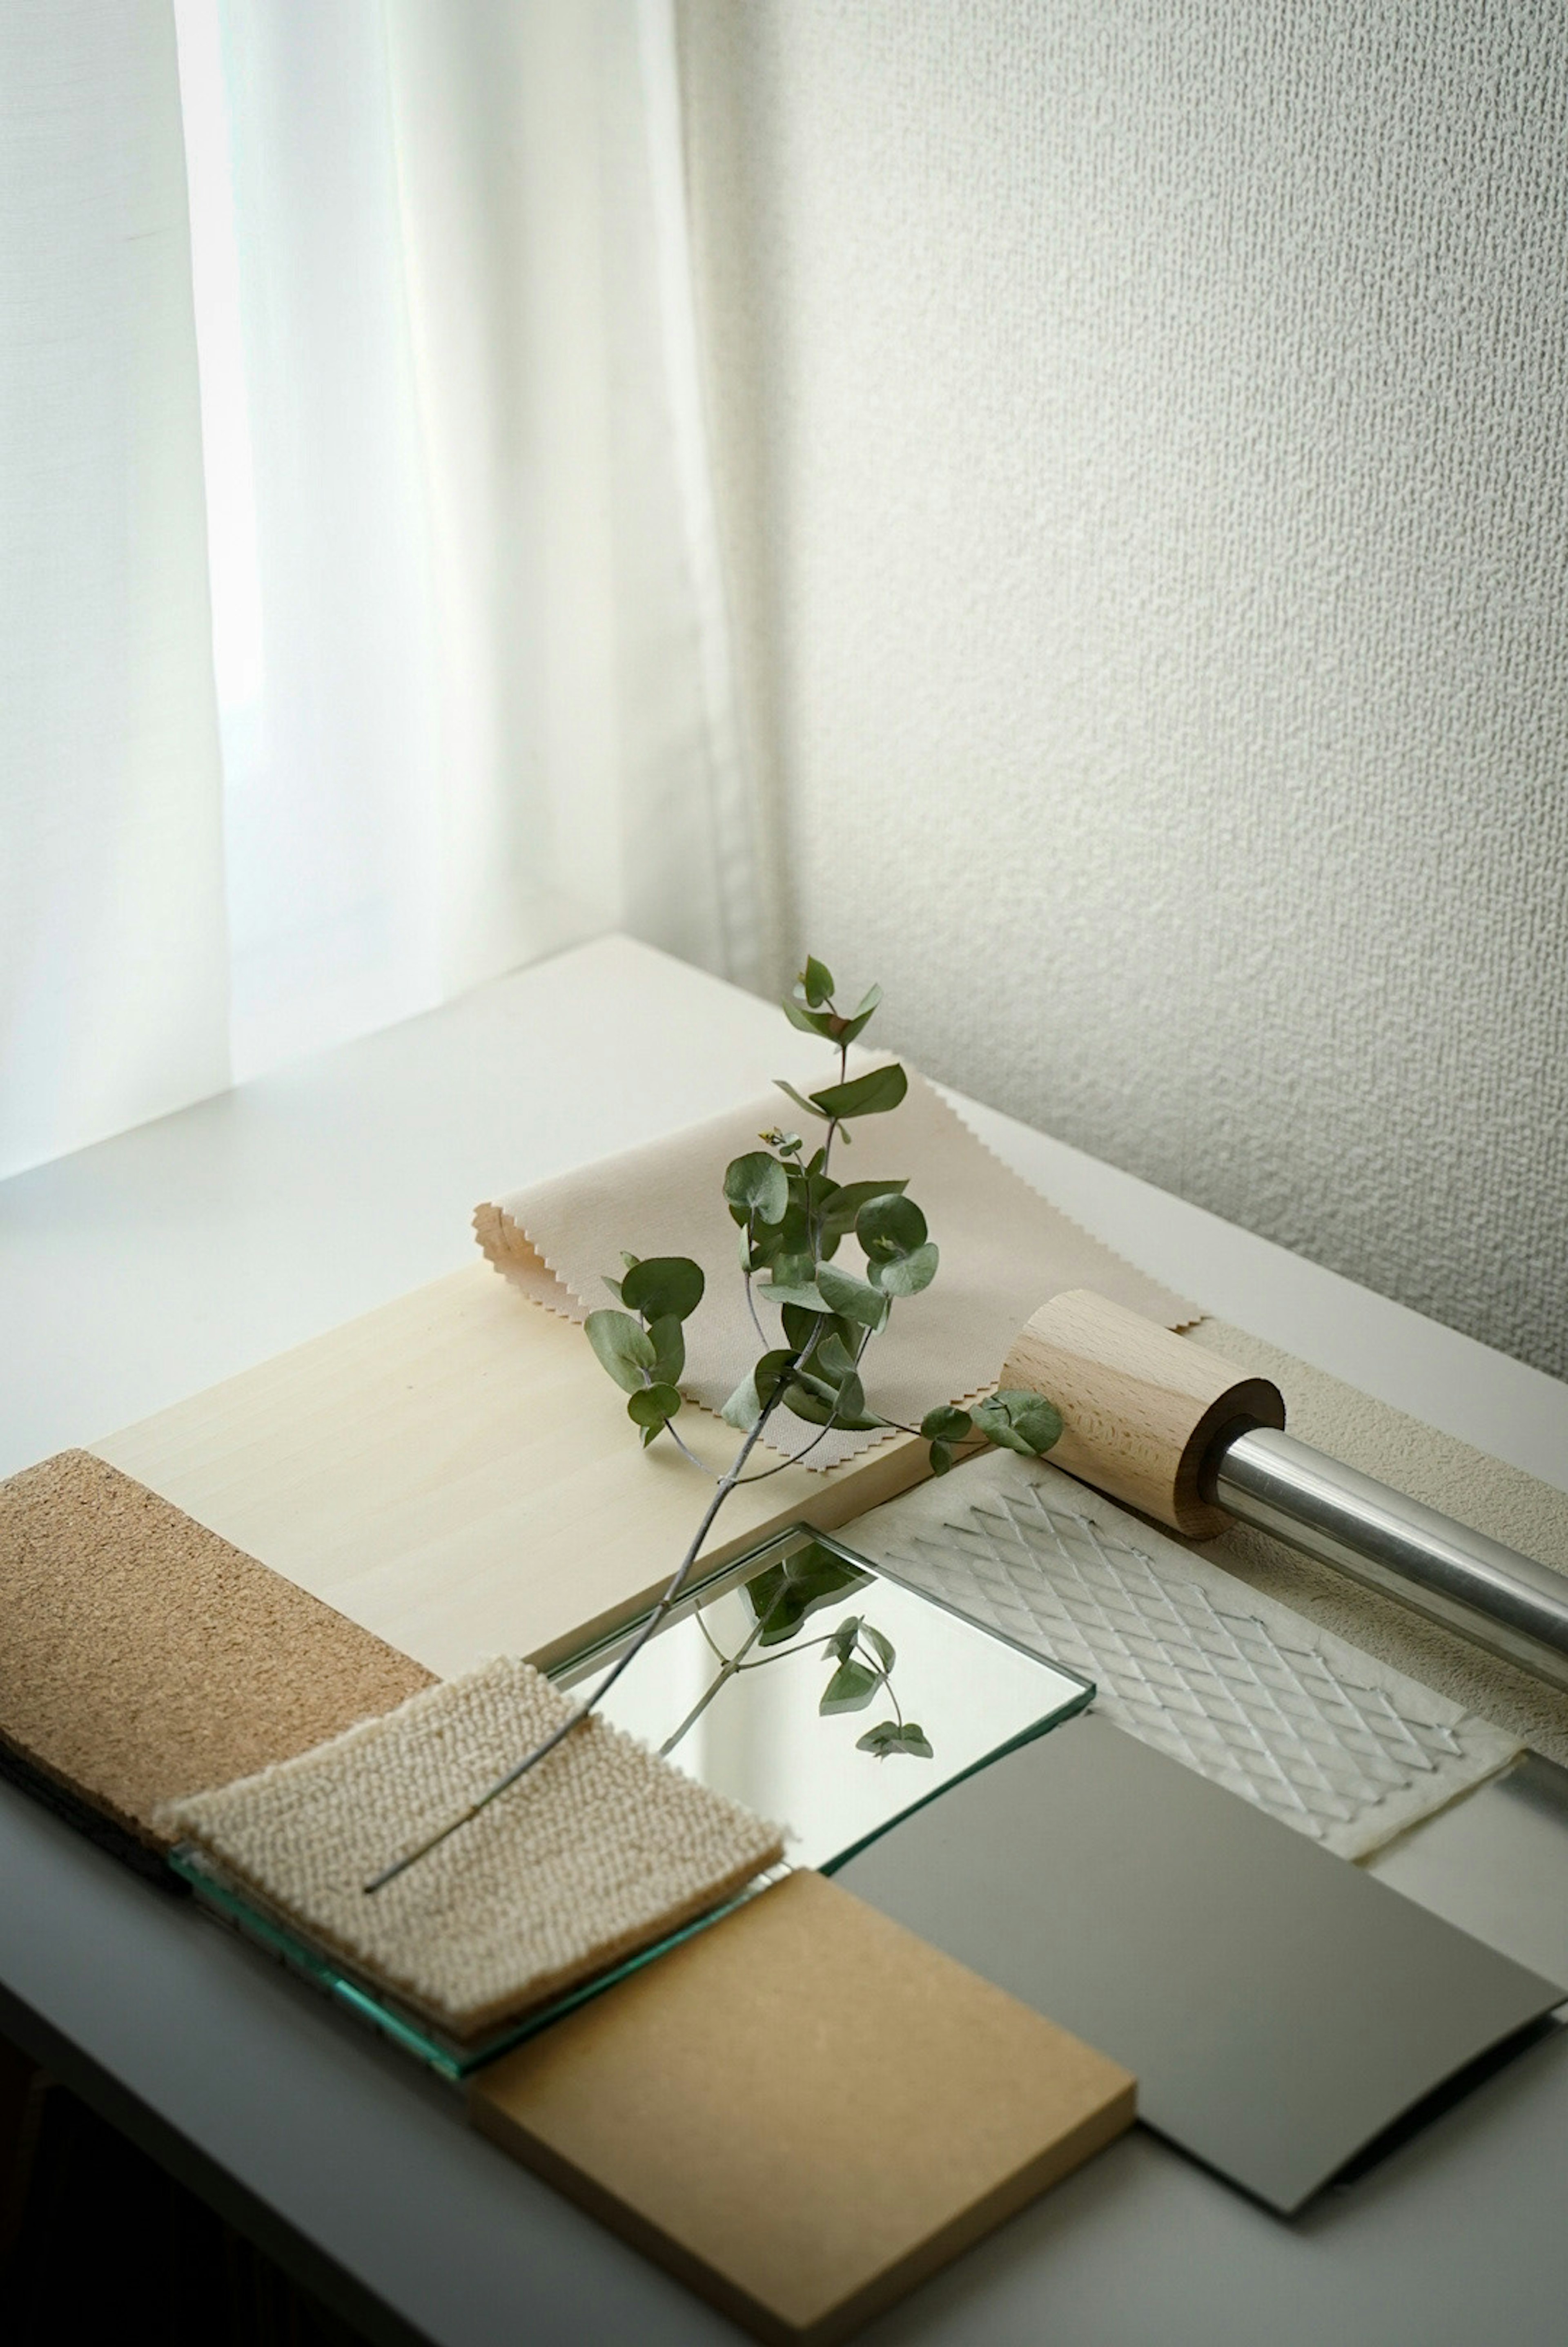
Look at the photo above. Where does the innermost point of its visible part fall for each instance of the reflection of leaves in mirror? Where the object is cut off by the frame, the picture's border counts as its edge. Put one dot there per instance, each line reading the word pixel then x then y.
pixel 783 1596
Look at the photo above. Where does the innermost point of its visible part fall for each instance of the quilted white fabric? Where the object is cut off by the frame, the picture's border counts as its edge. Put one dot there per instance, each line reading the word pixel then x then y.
pixel 1234 1686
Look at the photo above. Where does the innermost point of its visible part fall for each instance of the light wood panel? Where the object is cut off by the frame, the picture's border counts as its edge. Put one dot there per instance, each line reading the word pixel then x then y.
pixel 456 1473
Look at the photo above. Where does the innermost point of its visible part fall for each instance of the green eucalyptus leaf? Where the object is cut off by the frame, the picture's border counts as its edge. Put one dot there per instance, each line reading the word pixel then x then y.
pixel 1019 1420
pixel 613 1285
pixel 783 1595
pixel 668 1340
pixel 821 1404
pixel 800 1402
pixel 1039 1421
pixel 769 1371
pixel 946 1423
pixel 852 1297
pixel 851 1401
pixel 833 1357
pixel 890 1228
pixel 624 1348
pixel 801 1325
pixel 652 1433
pixel 851 1688
pixel 766 1243
pixel 940 1458
pixel 806 1293
pixel 793 1270
pixel 991 1419
pixel 629 1261
pixel 910 1274
pixel 868 1095
pixel 867 1003
pixel 653 1406
pixel 841 1210
pixel 662 1286
pixel 811 1022
pixel 800 1102
pixel 757 1184
pixel 743 1409
pixel 816 982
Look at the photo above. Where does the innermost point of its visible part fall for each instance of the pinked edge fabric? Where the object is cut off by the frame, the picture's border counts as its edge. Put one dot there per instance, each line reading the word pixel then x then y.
pixel 1005 1252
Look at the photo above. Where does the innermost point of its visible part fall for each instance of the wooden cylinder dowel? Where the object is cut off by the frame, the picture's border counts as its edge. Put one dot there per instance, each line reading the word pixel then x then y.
pixel 1140 1408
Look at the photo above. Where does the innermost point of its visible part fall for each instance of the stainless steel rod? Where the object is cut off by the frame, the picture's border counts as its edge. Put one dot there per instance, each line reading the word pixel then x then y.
pixel 1489 1594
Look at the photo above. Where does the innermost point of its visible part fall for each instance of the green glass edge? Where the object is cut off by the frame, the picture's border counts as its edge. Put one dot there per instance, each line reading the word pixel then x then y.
pixel 300 1957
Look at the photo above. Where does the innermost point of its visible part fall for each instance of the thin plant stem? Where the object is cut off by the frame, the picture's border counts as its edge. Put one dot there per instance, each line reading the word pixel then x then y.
pixel 713 1646
pixel 785 1654
pixel 685 1449
pixel 558 1736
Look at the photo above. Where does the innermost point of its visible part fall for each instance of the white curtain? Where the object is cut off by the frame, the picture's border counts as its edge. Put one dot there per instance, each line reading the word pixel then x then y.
pixel 471 663
pixel 113 960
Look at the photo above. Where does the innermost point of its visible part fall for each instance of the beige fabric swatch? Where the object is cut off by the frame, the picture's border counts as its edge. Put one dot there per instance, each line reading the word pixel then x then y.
pixel 601 1850
pixel 1005 1251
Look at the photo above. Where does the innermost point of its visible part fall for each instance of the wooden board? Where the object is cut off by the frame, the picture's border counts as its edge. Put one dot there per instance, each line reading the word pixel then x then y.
pixel 456 1473
pixel 803 2111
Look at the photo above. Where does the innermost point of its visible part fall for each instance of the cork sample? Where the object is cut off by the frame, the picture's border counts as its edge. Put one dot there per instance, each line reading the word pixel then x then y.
pixel 804 2110
pixel 600 1851
pixel 143 1657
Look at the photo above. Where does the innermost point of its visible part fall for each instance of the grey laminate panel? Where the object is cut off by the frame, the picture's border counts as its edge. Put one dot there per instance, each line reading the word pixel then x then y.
pixel 1279 2007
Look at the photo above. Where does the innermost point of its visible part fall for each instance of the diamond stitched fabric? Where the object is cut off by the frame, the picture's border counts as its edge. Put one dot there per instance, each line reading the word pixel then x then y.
pixel 1336 1744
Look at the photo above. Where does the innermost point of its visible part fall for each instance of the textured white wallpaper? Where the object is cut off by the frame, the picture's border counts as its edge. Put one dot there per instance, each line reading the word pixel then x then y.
pixel 1142 434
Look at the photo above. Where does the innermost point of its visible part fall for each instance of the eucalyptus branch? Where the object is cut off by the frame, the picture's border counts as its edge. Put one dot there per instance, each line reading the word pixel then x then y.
pixel 793 1215
pixel 688 1452
pixel 558 1736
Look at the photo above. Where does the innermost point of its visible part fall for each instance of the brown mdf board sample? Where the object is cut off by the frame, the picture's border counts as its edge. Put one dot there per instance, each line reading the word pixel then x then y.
pixel 803 2111
pixel 143 1657
pixel 456 1473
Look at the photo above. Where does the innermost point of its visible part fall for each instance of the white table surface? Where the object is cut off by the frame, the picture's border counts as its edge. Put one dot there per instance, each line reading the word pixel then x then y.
pixel 144 1269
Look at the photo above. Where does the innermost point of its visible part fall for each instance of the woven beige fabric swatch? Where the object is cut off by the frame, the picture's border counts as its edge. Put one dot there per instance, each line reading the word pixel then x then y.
pixel 1005 1251
pixel 601 1850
